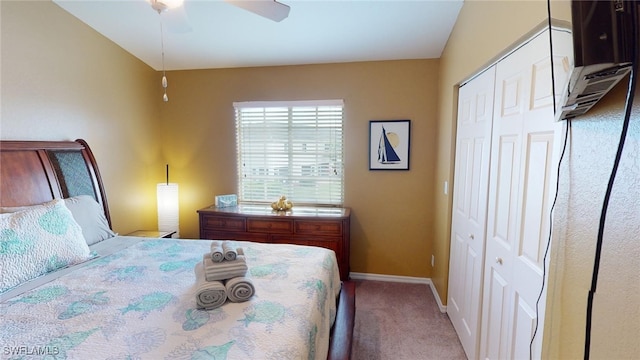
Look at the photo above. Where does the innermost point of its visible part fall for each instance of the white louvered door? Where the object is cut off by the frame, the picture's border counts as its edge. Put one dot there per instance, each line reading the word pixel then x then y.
pixel 473 146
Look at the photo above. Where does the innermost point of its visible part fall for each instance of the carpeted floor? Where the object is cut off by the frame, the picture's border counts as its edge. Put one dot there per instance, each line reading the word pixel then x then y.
pixel 400 321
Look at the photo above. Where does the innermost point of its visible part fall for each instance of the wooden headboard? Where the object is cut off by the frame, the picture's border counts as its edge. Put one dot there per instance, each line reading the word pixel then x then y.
pixel 33 172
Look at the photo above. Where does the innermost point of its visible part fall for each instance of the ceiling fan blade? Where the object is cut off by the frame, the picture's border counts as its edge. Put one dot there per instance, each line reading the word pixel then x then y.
pixel 270 9
pixel 176 20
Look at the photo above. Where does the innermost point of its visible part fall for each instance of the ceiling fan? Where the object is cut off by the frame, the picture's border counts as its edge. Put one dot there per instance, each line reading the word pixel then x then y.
pixel 177 21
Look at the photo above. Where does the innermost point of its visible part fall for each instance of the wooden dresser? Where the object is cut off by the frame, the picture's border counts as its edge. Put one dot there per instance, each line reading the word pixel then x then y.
pixel 314 226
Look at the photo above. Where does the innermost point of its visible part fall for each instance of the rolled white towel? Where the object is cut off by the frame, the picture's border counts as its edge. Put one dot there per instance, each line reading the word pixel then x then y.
pixel 229 251
pixel 217 253
pixel 239 289
pixel 209 294
pixel 224 270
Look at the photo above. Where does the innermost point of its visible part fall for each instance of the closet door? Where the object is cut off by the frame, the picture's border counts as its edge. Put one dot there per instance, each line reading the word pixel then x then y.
pixel 471 181
pixel 524 157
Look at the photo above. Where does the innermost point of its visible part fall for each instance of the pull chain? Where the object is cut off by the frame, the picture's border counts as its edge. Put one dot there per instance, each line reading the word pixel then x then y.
pixel 165 98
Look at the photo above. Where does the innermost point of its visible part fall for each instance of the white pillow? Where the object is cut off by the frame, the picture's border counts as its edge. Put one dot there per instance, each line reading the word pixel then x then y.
pixel 39 240
pixel 90 216
pixel 86 212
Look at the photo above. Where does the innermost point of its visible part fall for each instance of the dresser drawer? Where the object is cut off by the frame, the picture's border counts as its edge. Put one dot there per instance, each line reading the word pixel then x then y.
pixel 322 241
pixel 240 236
pixel 319 227
pixel 270 225
pixel 223 223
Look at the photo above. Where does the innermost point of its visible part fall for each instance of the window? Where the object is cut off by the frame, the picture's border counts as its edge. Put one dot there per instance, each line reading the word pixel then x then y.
pixel 290 148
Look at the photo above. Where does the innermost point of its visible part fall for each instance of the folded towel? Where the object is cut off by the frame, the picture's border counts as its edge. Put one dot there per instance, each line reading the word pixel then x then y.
pixel 229 251
pixel 239 289
pixel 209 294
pixel 217 253
pixel 224 270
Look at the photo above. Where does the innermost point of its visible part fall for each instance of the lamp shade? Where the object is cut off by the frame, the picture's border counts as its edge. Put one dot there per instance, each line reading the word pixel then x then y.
pixel 168 208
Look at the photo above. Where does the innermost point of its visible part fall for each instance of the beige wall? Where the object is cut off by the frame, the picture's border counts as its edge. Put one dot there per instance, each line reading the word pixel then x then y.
pixel 391 223
pixel 616 310
pixel 62 81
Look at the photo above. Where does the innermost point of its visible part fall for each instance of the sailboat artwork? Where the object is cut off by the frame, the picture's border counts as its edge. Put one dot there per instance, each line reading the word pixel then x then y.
pixel 389 143
pixel 386 153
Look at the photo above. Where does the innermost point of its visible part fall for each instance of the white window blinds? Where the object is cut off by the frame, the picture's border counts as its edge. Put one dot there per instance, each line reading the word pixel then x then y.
pixel 290 148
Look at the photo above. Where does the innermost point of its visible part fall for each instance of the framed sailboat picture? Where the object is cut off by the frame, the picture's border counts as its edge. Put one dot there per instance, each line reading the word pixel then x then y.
pixel 389 144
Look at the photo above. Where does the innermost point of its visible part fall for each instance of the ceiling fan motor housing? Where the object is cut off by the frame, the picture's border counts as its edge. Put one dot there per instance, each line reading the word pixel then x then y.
pixel 162 5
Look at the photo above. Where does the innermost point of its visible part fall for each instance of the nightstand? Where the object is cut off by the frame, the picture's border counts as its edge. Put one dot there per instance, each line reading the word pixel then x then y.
pixel 152 233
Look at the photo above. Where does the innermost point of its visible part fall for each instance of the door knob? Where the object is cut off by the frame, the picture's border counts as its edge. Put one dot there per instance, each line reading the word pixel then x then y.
pixel 471 236
pixel 499 260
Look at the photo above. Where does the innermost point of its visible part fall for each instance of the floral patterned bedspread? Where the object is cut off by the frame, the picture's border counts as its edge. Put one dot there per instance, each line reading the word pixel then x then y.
pixel 139 303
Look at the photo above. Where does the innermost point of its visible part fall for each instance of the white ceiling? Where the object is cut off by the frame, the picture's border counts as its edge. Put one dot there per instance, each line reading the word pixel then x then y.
pixel 316 31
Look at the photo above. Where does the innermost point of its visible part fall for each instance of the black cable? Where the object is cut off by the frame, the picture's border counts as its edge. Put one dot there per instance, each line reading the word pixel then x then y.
pixel 603 214
pixel 555 198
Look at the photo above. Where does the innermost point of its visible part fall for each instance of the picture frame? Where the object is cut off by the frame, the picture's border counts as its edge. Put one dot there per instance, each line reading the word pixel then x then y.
pixel 226 200
pixel 389 144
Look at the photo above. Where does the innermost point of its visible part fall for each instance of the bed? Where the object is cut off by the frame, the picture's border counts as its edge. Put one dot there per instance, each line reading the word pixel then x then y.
pixel 73 289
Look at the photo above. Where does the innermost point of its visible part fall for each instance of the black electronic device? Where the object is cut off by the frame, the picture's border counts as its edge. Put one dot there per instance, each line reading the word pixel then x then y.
pixel 602 49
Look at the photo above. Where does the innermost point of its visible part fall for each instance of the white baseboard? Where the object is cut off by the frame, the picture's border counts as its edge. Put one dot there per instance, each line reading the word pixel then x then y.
pixel 402 279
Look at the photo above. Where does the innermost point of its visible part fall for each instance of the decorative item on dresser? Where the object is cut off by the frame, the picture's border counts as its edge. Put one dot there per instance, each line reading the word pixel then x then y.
pixel 326 227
